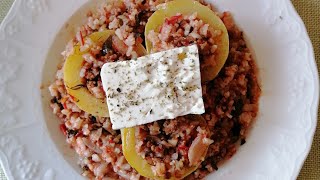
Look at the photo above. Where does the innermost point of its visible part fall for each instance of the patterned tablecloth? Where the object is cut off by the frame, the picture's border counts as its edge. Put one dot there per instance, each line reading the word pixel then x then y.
pixel 309 10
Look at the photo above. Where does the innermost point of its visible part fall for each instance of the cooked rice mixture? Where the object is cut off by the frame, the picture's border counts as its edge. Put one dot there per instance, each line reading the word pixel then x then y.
pixel 231 99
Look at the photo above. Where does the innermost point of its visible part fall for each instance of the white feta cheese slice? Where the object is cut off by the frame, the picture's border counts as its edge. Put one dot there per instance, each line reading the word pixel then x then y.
pixel 159 86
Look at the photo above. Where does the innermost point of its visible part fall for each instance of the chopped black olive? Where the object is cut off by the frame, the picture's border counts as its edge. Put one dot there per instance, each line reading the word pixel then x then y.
pixel 71 132
pixel 60 106
pixel 238 105
pixel 214 165
pixel 54 100
pixel 234 139
pixel 243 141
pixel 118 132
pixel 236 129
pixel 191 29
pixel 107 46
pixel 119 90
pixel 85 168
pixel 92 119
pixel 96 78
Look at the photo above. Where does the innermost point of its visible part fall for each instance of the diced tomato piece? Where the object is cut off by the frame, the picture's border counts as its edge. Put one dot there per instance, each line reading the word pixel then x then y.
pixel 172 20
pixel 64 105
pixel 108 150
pixel 139 40
pixel 79 134
pixel 161 28
pixel 183 149
pixel 82 41
pixel 74 99
pixel 63 129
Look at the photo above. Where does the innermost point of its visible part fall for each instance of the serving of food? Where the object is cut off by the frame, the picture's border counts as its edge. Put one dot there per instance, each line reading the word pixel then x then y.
pixel 156 90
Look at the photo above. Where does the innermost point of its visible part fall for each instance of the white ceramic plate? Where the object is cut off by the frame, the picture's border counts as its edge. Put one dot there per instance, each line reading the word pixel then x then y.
pixel 35 32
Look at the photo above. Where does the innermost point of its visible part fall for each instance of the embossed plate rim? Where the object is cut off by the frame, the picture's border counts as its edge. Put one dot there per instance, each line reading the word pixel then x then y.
pixel 27 16
pixel 317 89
